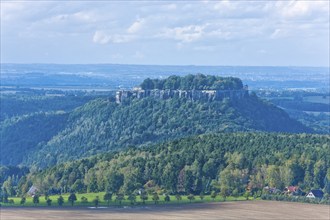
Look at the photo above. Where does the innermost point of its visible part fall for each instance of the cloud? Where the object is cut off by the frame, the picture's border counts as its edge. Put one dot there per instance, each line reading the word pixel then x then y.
pixel 136 26
pixel 151 27
pixel 101 37
pixel 303 9
pixel 184 34
pixel 279 33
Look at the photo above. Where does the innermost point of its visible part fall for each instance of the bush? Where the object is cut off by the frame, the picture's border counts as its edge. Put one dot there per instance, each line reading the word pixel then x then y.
pixel 191 197
pixel 60 200
pixel 84 200
pixel 23 200
pixel 49 202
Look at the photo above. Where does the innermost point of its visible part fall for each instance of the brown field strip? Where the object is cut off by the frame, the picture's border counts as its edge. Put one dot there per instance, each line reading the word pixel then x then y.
pixel 224 210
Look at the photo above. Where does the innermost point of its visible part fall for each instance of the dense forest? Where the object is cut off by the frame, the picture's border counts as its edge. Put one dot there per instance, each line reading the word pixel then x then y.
pixel 191 82
pixel 102 125
pixel 227 163
pixel 30 118
pixel 22 134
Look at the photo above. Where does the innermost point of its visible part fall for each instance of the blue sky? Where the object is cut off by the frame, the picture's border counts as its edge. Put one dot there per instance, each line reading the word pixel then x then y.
pixel 261 33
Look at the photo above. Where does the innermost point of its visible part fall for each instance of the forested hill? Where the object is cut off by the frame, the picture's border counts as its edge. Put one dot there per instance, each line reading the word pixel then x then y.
pixel 56 131
pixel 229 162
pixel 102 125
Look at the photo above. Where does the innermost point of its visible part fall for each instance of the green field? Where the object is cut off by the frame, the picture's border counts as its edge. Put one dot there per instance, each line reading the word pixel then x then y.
pixel 91 196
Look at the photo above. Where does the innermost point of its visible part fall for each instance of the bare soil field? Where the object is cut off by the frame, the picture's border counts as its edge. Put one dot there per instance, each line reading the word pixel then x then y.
pixel 223 210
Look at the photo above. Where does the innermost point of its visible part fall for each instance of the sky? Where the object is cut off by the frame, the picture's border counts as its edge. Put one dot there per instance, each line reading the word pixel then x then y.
pixel 247 33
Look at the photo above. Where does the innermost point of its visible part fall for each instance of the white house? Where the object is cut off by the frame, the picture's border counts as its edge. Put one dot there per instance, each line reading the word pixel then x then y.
pixel 315 193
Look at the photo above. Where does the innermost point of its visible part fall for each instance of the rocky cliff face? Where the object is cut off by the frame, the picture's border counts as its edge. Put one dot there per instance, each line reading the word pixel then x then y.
pixel 205 95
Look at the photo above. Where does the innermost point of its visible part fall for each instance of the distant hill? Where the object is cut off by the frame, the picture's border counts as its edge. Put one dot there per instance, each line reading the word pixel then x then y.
pixel 103 125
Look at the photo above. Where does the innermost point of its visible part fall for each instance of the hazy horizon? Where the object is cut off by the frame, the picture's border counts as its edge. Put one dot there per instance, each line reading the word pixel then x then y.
pixel 134 64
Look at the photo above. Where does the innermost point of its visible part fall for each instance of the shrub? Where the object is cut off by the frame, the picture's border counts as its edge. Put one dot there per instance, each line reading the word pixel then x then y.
pixel 84 200
pixel 49 202
pixel 23 200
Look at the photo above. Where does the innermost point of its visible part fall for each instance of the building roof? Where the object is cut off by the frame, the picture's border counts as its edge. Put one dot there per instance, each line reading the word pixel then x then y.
pixel 292 188
pixel 317 193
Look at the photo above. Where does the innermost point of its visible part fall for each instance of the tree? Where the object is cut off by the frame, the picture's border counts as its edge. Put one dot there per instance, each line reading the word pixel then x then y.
pixel 213 195
pixel 60 200
pixel 201 196
pixel 114 181
pixel 4 196
pixel 233 179
pixel 191 197
pixel 23 200
pixel 155 197
pixel 96 201
pixel 49 202
pixel 178 197
pixel 72 198
pixel 36 199
pixel 107 197
pixel 120 197
pixel 273 177
pixel 167 198
pixel 144 197
pixel 91 181
pixel 235 194
pixel 132 198
pixel 247 195
pixel 147 84
pixel 8 185
pixel 224 192
pixel 78 186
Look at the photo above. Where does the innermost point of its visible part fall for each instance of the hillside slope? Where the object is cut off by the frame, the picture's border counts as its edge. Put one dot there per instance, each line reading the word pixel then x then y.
pixel 203 163
pixel 23 134
pixel 102 125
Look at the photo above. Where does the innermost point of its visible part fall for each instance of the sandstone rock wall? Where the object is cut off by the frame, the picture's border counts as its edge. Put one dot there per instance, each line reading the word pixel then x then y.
pixel 206 95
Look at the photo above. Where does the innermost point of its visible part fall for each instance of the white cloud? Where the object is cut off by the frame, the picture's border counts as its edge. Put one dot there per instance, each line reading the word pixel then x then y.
pixel 163 26
pixel 101 37
pixel 136 26
pixel 303 9
pixel 279 33
pixel 184 34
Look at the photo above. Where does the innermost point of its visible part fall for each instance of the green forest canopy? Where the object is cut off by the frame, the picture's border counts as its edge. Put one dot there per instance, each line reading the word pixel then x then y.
pixel 190 82
pixel 225 162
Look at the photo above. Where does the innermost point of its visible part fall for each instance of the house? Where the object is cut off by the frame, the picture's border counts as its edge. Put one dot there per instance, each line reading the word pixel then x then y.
pixel 33 191
pixel 292 190
pixel 315 193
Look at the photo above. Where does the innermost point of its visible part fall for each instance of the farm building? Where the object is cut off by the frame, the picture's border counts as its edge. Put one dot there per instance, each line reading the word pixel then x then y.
pixel 315 193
